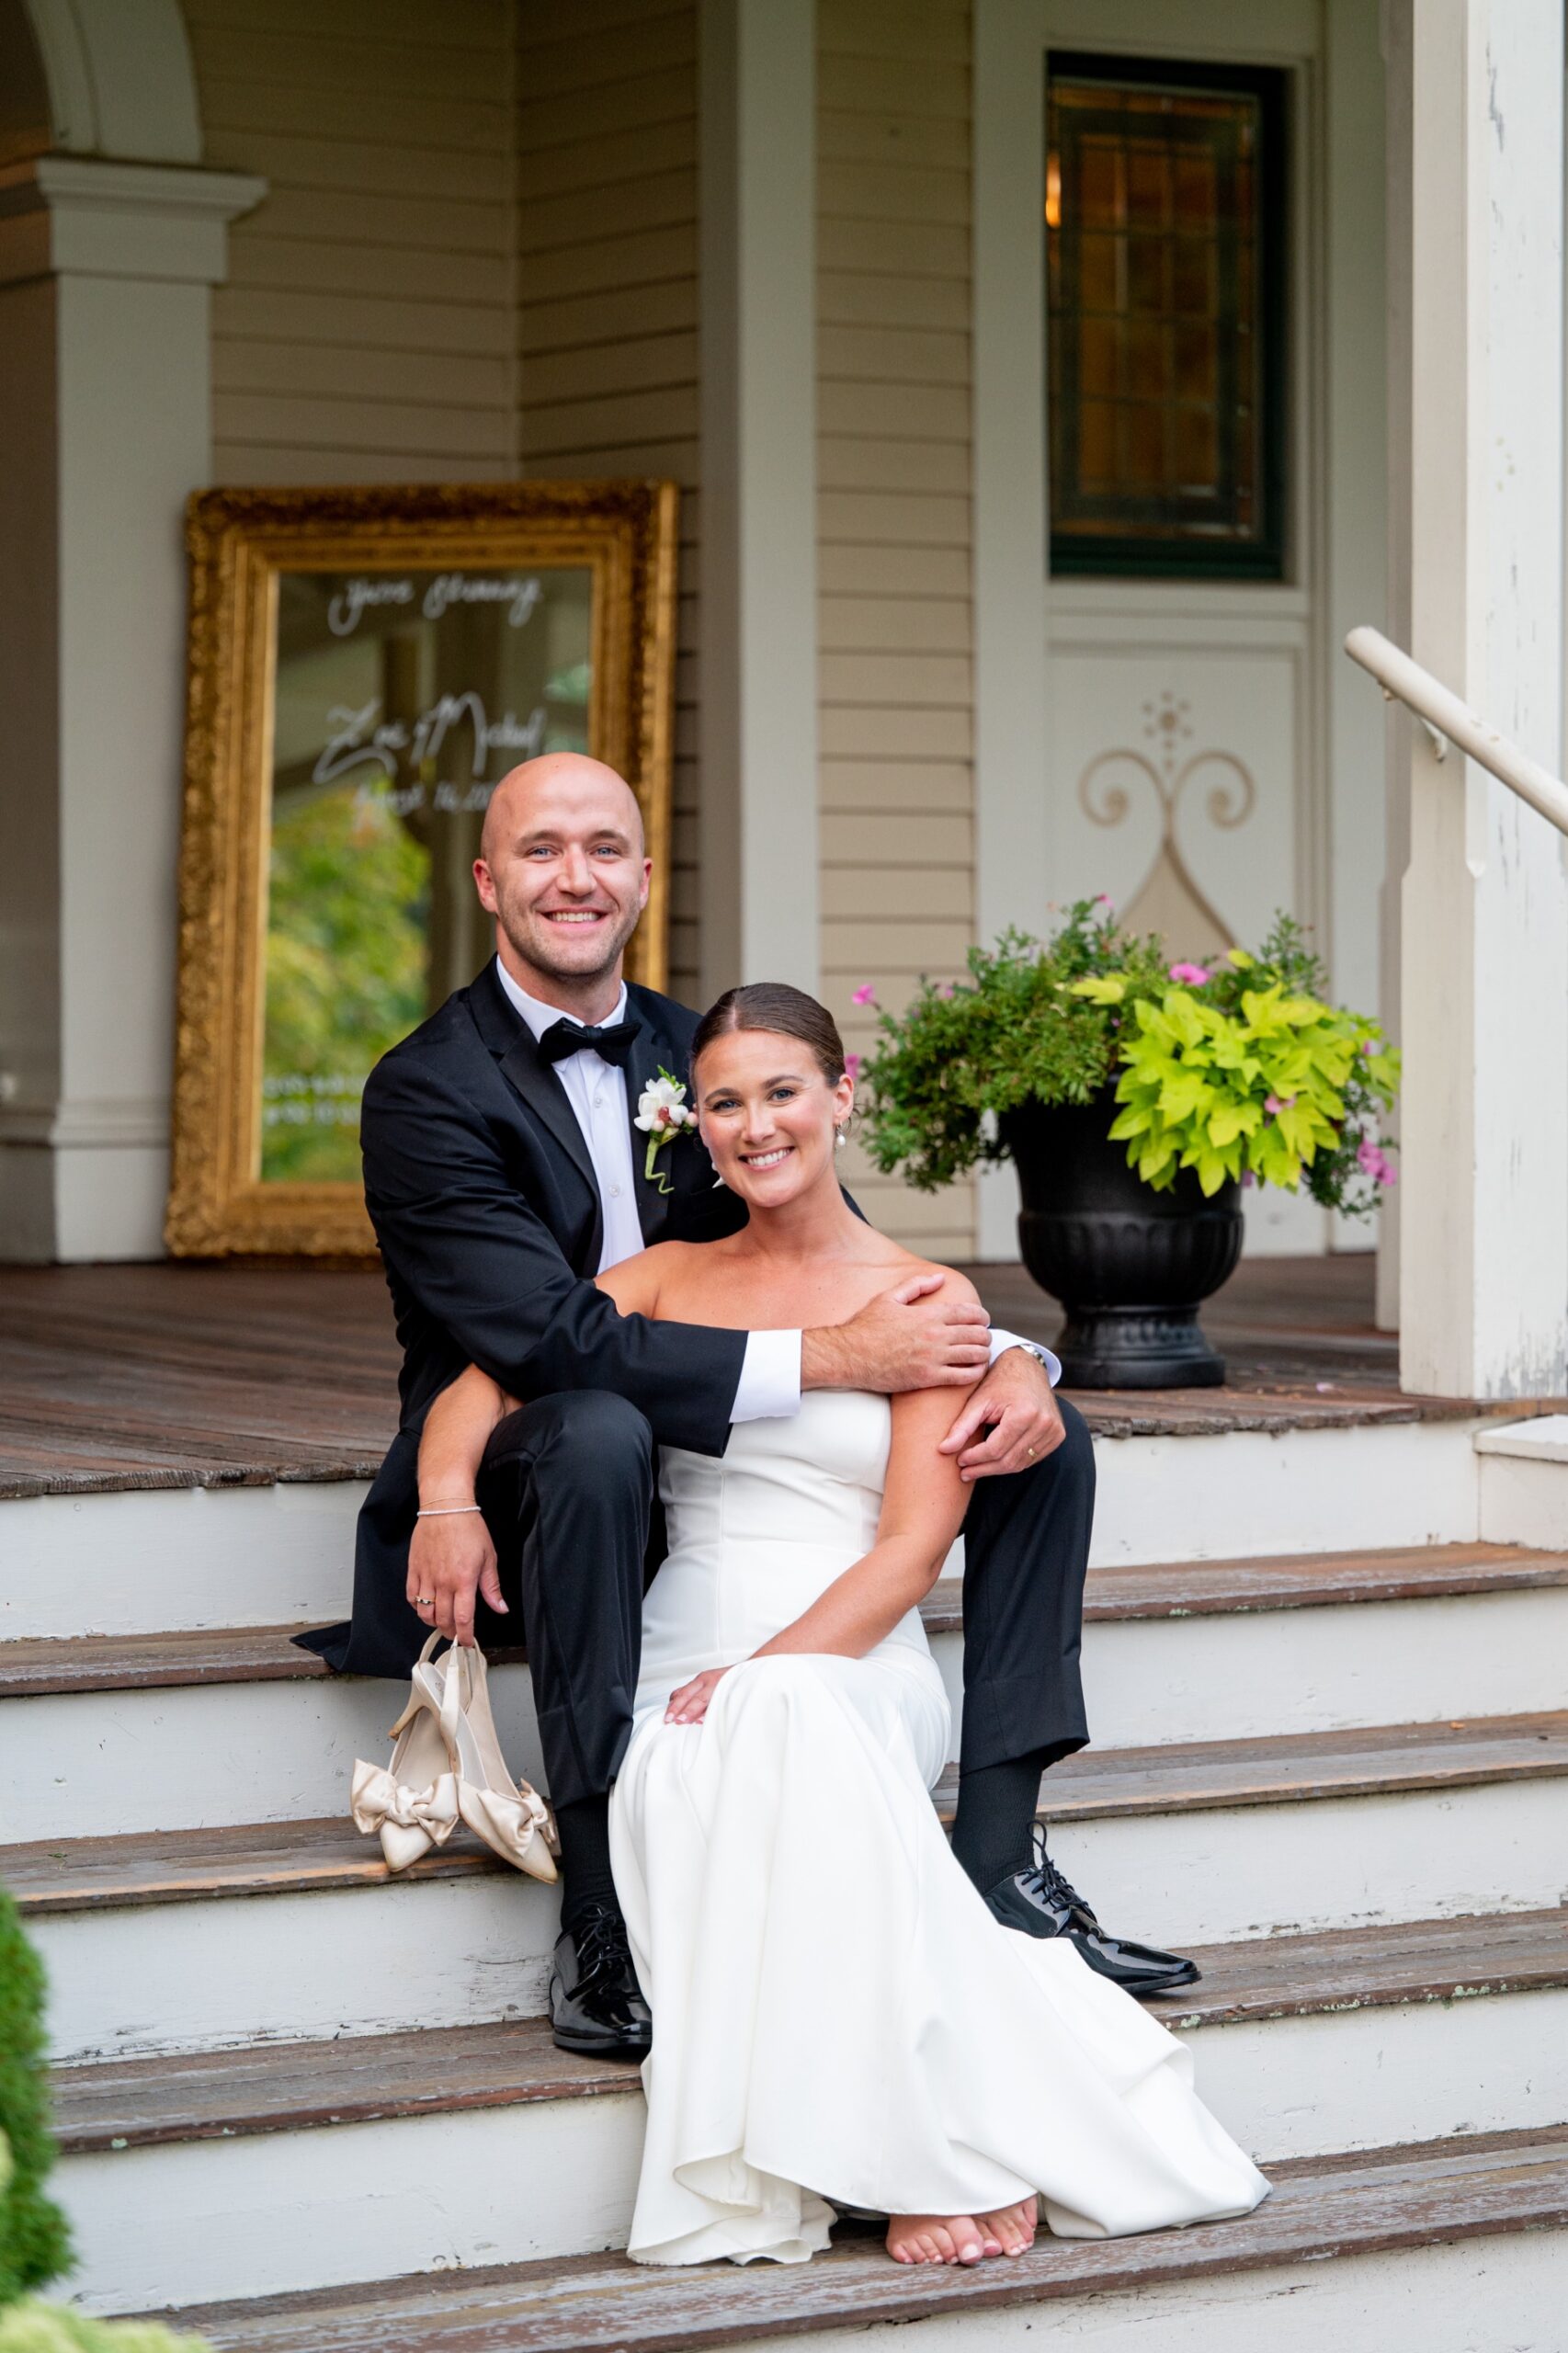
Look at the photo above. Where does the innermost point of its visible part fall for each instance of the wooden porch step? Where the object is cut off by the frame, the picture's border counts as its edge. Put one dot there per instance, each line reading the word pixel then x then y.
pixel 85 1662
pixel 293 2086
pixel 295 1857
pixel 1389 2201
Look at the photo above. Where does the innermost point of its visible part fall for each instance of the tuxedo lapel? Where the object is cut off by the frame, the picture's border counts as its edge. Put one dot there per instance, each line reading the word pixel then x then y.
pixel 650 1048
pixel 534 1079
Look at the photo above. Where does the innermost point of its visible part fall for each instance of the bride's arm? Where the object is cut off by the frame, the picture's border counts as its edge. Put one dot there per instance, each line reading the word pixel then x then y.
pixel 450 1556
pixel 923 1508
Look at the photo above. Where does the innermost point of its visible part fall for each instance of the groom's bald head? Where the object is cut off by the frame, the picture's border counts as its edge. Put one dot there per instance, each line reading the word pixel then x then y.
pixel 562 868
pixel 549 786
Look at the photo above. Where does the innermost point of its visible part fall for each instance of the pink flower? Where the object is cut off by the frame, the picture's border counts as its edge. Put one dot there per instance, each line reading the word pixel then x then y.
pixel 1102 898
pixel 1247 1177
pixel 852 1065
pixel 1376 1162
pixel 944 988
pixel 865 995
pixel 1192 975
pixel 1272 1105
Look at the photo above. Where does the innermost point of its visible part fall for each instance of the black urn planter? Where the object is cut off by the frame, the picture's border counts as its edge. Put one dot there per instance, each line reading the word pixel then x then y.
pixel 1130 1266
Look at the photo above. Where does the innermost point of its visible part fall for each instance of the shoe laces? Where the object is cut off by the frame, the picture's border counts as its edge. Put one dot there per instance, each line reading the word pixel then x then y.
pixel 600 1943
pixel 1042 1878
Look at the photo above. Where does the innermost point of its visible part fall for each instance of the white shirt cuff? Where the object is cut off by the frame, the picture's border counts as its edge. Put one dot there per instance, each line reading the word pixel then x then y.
pixel 769 1385
pixel 1002 1341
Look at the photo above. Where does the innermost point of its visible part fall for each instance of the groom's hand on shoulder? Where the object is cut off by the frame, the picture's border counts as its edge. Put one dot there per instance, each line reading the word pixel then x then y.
pixel 923 1334
pixel 1010 1423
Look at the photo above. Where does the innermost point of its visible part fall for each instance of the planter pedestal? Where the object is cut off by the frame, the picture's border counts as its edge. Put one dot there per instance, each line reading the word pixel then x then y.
pixel 1130 1266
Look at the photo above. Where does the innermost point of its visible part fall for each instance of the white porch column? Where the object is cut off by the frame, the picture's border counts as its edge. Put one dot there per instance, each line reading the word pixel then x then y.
pixel 105 420
pixel 759 728
pixel 1011 800
pixel 1483 1241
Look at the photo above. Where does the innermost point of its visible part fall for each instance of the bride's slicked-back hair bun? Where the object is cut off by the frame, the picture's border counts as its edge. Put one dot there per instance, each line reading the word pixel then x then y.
pixel 774 1005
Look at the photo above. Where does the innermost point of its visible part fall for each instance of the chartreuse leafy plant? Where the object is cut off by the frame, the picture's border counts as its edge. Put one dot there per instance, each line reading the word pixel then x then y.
pixel 32 2327
pixel 1241 1071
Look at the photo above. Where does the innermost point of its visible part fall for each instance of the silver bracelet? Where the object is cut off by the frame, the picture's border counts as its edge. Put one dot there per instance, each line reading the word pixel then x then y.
pixel 444 1511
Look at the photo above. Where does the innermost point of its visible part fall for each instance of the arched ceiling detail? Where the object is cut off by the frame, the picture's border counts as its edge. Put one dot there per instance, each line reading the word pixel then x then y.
pixel 117 80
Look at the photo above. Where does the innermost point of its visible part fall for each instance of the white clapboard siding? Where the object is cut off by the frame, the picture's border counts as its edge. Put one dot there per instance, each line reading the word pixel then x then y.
pixel 365 331
pixel 894 633
pixel 607 334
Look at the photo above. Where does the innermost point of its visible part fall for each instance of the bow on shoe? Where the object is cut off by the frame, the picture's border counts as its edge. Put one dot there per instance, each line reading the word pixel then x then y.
pixel 509 1825
pixel 410 1822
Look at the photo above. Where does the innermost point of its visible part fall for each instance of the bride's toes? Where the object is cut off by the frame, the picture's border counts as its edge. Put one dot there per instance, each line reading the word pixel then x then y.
pixel 909 2240
pixel 936 2238
pixel 962 2239
pixel 1012 2226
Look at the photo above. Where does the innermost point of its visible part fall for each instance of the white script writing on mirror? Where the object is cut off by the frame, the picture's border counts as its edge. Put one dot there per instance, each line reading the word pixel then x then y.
pixel 358 596
pixel 359 741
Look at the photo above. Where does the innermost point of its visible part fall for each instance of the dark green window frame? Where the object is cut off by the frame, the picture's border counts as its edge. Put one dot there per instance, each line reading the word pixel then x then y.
pixel 1172 535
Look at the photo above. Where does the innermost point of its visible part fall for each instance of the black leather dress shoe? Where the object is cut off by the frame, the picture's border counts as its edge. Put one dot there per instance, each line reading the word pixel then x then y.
pixel 596 2004
pixel 1043 1903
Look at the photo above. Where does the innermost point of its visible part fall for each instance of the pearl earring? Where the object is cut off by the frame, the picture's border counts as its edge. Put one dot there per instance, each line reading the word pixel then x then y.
pixel 839 1139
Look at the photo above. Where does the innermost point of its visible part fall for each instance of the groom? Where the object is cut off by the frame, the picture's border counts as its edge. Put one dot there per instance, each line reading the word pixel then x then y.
pixel 502 1173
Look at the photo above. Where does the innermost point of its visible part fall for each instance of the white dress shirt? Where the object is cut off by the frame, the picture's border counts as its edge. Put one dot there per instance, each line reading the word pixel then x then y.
pixel 769 1385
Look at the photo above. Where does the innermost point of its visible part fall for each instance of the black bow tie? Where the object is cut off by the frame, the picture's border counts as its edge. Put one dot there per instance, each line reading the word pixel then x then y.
pixel 563 1038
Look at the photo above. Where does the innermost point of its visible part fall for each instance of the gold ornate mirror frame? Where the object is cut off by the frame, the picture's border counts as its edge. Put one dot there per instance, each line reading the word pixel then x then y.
pixel 418 592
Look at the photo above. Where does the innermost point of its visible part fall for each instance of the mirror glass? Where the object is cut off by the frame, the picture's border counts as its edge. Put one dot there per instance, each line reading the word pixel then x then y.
pixel 400 698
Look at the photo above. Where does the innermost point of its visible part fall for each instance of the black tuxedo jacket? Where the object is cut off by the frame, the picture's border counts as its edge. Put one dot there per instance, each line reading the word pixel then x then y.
pixel 484 1202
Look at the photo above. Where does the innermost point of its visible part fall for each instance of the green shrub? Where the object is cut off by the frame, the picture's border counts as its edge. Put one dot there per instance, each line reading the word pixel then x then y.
pixel 1238 1068
pixel 34 2243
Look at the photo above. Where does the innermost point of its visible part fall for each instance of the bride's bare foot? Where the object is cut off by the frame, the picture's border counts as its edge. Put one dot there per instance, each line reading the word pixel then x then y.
pixel 938 2238
pixel 1012 2226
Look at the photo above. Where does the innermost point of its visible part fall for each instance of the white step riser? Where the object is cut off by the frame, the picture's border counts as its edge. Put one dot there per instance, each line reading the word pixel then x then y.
pixel 1489 2295
pixel 92 1764
pixel 323 2208
pixel 255 1556
pixel 1524 1502
pixel 151 1563
pixel 269 1969
pixel 1328 1863
pixel 451 1952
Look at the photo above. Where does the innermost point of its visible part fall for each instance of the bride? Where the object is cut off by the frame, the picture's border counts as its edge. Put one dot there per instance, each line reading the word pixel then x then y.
pixel 839 2021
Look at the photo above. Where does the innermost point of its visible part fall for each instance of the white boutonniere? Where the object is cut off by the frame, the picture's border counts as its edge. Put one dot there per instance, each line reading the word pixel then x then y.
pixel 661 1112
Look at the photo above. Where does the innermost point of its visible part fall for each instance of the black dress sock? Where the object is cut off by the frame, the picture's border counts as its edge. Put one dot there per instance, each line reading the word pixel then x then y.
pixel 585 1874
pixel 995 1814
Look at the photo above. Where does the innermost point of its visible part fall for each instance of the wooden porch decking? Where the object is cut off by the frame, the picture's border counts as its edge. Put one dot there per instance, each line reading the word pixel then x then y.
pixel 174 1376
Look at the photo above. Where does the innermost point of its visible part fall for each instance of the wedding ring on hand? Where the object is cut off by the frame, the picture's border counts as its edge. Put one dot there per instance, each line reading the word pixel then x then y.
pixel 423 1600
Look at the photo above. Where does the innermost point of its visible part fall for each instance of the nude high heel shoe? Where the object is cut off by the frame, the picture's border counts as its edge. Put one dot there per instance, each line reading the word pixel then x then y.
pixel 511 1816
pixel 411 1803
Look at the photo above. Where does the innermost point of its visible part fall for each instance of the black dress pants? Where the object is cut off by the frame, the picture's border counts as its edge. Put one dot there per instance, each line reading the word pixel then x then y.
pixel 566 1485
pixel 566 1488
pixel 1025 1541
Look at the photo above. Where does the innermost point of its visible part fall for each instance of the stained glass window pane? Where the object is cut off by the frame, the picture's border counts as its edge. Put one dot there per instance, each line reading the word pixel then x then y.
pixel 1164 198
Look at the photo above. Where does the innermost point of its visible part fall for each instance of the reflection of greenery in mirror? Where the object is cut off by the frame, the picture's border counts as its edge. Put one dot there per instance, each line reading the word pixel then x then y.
pixel 400 699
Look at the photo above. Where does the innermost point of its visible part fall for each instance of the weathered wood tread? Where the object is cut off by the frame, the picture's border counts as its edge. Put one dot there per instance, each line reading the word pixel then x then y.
pixel 1159 1589
pixel 128 1378
pixel 291 2086
pixel 1364 2205
pixel 295 1857
pixel 1193 1777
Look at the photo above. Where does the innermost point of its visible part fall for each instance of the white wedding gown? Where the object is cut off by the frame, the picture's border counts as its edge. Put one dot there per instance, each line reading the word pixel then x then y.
pixel 836 2016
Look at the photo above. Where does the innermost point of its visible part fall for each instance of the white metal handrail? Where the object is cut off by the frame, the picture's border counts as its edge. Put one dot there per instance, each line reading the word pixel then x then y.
pixel 1448 716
